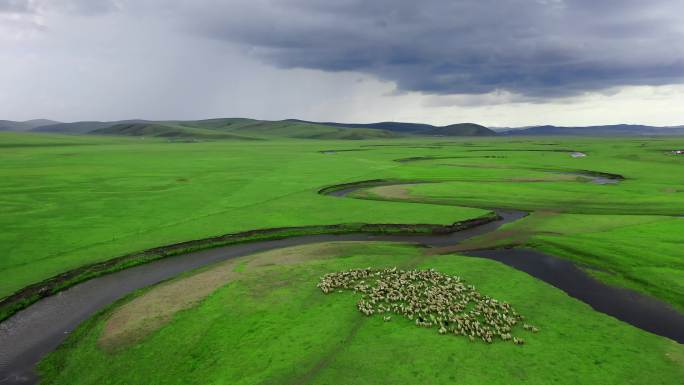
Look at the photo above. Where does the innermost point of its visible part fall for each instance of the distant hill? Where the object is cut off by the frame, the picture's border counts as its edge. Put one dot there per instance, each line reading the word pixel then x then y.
pixel 224 128
pixel 245 129
pixel 82 127
pixel 608 130
pixel 459 129
pixel 389 126
pixel 295 129
pixel 165 130
pixel 242 128
pixel 10 125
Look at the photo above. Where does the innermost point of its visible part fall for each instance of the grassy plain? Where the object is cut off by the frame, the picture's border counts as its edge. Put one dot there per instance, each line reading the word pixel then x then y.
pixel 73 200
pixel 641 252
pixel 270 324
pixel 93 198
pixel 629 232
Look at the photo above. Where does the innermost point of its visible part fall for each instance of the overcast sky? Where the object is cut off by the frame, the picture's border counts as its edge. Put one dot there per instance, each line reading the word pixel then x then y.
pixel 494 62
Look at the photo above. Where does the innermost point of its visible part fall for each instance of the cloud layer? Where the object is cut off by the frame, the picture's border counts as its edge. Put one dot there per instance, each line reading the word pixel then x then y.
pixel 527 47
pixel 500 62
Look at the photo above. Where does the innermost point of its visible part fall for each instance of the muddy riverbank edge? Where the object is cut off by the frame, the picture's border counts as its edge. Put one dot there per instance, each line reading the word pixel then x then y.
pixel 30 294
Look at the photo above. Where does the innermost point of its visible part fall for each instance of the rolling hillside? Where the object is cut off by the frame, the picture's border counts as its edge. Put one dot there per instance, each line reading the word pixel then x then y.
pixel 243 128
pixel 459 129
pixel 389 126
pixel 165 130
pixel 81 127
pixel 290 129
pixel 224 128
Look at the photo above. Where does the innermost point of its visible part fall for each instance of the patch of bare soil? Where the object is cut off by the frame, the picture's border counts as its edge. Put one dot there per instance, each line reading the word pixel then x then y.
pixel 391 192
pixel 147 313
pixel 298 254
pixel 150 311
pixel 676 355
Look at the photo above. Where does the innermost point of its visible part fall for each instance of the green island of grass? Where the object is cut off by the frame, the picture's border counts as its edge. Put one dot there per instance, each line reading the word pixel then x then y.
pixel 268 322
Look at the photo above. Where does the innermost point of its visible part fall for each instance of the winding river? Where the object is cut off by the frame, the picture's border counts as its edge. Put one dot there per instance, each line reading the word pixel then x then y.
pixel 37 330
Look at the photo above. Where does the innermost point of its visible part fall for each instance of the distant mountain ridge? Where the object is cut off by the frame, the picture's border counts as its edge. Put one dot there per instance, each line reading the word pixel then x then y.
pixel 28 125
pixel 391 126
pixel 83 127
pixel 243 128
pixel 221 128
pixel 605 130
pixel 252 129
pixel 458 129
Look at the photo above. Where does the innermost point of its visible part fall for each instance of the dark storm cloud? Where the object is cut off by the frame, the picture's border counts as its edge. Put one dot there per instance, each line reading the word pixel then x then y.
pixel 529 47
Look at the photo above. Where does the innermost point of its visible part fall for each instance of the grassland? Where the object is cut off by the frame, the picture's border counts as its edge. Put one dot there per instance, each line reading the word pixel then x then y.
pixel 91 199
pixel 271 324
pixel 73 200
pixel 639 252
pixel 628 233
pixel 69 201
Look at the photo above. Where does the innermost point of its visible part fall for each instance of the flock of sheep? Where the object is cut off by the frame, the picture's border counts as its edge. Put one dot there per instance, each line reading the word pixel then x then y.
pixel 431 299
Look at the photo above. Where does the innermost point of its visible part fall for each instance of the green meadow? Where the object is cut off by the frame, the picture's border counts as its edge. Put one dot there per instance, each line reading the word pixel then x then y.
pixel 70 201
pixel 270 324
pixel 73 201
